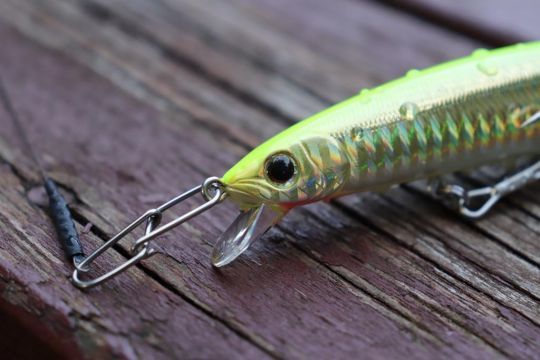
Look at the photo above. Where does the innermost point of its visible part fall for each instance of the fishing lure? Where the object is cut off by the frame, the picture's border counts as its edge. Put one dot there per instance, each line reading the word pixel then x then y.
pixel 482 109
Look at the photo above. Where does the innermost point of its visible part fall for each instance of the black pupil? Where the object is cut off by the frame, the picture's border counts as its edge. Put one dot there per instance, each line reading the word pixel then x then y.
pixel 280 169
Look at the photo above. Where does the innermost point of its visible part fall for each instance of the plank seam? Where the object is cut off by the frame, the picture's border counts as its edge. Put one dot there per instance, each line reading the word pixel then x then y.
pixel 490 37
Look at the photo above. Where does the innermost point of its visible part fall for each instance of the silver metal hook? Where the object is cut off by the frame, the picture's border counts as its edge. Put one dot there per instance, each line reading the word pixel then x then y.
pixel 532 120
pixel 492 193
pixel 211 190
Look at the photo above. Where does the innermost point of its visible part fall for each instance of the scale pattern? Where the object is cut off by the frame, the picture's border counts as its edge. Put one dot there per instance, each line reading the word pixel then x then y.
pixel 453 135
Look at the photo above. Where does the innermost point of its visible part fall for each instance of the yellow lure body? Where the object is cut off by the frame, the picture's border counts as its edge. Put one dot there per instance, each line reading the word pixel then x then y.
pixel 456 116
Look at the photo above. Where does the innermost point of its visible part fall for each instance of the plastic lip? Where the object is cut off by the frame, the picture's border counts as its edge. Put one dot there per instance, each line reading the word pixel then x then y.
pixel 246 228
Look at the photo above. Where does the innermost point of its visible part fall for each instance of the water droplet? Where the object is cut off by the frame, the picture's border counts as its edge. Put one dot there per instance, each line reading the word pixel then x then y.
pixel 364 92
pixel 513 107
pixel 480 52
pixel 487 69
pixel 364 96
pixel 412 72
pixel 408 111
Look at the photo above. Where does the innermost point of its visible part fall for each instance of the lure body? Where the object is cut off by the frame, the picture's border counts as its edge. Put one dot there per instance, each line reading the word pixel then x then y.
pixel 455 116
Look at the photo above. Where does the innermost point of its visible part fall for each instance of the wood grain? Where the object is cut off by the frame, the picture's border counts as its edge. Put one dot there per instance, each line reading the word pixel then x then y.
pixel 499 23
pixel 380 275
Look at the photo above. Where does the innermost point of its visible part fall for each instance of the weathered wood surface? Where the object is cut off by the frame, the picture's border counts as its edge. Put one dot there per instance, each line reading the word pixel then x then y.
pixel 132 100
pixel 495 22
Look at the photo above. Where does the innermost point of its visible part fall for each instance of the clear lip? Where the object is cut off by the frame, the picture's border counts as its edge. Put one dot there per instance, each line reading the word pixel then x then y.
pixel 246 228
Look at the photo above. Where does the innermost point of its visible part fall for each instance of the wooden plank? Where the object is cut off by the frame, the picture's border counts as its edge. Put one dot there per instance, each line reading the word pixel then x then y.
pixel 18 342
pixel 430 326
pixel 417 285
pixel 330 62
pixel 501 22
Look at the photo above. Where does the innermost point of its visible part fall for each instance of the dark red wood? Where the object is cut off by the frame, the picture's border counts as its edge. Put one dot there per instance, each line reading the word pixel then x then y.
pixel 498 22
pixel 379 276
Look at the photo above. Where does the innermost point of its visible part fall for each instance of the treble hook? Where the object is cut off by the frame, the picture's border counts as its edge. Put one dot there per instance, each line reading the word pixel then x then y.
pixel 211 190
pixel 493 193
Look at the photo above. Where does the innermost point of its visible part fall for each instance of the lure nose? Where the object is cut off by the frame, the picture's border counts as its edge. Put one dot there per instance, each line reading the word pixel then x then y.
pixel 246 228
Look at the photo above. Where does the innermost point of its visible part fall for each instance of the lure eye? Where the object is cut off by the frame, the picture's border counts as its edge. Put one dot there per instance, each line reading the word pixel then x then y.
pixel 280 168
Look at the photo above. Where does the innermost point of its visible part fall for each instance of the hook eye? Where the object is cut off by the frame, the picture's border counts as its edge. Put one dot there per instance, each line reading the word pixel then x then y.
pixel 210 186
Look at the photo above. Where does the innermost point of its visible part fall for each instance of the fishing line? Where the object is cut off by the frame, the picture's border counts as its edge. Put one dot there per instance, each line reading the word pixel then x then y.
pixel 58 207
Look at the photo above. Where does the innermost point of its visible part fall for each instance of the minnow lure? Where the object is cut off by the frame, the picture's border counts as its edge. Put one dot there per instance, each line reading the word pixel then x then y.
pixel 478 110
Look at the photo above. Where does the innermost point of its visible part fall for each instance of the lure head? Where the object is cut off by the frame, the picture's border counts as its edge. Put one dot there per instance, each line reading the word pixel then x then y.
pixel 284 172
pixel 288 171
pixel 301 165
